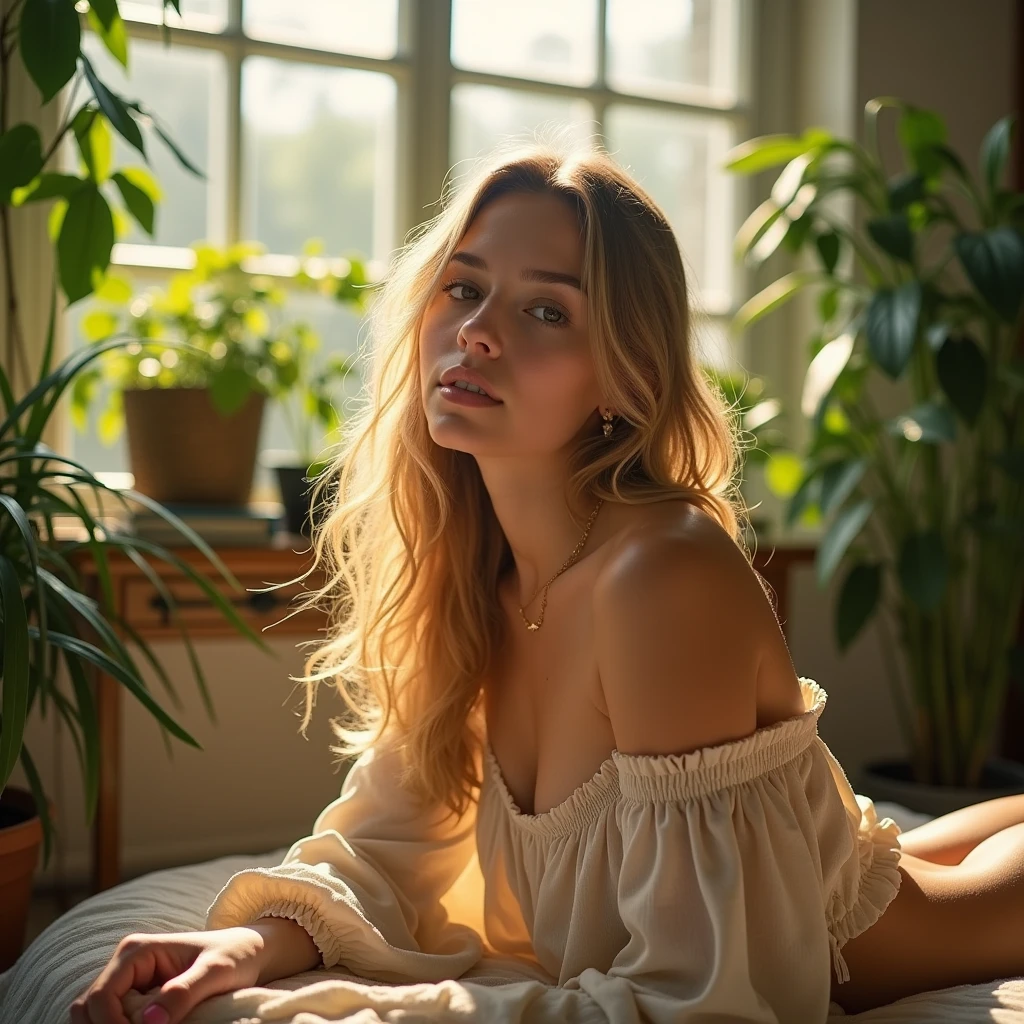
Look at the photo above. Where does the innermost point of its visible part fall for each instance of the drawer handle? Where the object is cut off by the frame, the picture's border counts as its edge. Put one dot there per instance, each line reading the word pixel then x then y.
pixel 258 602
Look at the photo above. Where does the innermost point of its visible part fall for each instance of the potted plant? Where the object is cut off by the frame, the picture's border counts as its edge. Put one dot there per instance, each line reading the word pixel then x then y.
pixel 924 506
pixel 175 402
pixel 248 351
pixel 46 619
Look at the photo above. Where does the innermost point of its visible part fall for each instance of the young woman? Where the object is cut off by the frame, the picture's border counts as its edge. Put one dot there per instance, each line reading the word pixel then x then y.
pixel 589 784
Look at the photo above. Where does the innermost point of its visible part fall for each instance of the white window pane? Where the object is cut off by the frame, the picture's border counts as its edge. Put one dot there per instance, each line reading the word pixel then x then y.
pixel 483 115
pixel 200 15
pixel 185 89
pixel 347 26
pixel 685 50
pixel 318 157
pixel 551 42
pixel 677 158
pixel 712 342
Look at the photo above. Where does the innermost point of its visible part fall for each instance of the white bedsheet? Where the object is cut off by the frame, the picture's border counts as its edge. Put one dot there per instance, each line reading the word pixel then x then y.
pixel 68 955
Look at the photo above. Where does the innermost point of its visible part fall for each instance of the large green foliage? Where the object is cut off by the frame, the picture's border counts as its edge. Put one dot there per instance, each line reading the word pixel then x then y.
pixel 924 508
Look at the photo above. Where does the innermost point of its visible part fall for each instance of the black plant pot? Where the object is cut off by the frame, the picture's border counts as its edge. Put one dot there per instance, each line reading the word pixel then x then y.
pixel 893 780
pixel 296 490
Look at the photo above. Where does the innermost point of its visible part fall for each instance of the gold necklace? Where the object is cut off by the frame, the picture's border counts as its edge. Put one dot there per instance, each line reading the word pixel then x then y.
pixel 569 561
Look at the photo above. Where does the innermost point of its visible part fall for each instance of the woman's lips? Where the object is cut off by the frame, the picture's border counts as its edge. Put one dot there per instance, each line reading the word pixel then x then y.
pixel 460 396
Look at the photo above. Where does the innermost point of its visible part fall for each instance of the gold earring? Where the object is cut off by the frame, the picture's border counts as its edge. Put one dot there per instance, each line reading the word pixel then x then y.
pixel 607 425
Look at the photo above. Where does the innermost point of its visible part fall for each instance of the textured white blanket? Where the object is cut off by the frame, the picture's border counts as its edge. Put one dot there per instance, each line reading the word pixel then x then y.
pixel 68 955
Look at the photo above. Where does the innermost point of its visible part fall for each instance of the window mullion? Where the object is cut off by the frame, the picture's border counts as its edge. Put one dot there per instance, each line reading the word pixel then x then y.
pixel 233 135
pixel 423 109
pixel 600 104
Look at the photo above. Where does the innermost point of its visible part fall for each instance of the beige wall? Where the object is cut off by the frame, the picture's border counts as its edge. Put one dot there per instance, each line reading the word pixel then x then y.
pixel 258 785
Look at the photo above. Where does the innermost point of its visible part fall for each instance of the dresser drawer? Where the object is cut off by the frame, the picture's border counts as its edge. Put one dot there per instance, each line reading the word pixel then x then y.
pixel 145 609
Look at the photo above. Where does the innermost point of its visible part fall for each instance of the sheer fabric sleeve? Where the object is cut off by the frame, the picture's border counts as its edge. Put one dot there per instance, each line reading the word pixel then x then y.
pixel 368 883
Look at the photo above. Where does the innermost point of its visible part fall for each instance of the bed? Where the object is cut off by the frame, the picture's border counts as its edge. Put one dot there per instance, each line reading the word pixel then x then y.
pixel 64 959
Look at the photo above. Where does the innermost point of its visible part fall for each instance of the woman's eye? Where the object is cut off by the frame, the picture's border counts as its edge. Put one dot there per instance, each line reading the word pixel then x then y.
pixel 456 284
pixel 554 323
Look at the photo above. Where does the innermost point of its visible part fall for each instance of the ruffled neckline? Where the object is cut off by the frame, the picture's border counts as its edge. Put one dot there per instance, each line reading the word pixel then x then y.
pixel 668 776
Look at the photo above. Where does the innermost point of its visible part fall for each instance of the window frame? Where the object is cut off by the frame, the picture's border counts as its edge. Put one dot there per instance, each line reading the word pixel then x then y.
pixel 425 76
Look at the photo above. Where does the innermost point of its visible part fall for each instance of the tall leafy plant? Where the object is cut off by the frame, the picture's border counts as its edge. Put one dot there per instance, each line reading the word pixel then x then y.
pixel 924 508
pixel 46 616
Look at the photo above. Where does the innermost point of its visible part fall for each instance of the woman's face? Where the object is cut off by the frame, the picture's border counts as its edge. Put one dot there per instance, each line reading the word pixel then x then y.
pixel 527 337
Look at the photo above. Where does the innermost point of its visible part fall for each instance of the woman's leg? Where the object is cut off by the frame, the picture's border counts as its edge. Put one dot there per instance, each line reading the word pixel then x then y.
pixel 947 925
pixel 949 838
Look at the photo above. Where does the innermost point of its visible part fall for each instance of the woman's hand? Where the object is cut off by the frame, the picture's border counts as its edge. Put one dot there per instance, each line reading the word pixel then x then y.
pixel 188 967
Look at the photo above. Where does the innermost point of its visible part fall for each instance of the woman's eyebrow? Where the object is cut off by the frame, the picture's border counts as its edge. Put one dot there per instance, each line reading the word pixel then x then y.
pixel 528 274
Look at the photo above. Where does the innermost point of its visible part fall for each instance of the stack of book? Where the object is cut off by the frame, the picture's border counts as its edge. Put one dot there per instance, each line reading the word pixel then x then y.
pixel 223 525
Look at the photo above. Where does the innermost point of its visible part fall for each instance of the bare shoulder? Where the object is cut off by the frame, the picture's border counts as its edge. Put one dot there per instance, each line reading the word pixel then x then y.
pixel 681 628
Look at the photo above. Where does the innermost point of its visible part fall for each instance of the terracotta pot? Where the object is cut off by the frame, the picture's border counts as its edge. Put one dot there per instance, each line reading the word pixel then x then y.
pixel 182 451
pixel 21 835
pixel 893 780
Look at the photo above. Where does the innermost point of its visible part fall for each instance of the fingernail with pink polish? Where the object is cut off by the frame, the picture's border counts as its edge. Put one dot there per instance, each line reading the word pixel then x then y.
pixel 154 1014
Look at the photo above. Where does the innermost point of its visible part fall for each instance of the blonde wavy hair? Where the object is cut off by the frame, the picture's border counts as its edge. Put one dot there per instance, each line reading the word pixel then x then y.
pixel 408 541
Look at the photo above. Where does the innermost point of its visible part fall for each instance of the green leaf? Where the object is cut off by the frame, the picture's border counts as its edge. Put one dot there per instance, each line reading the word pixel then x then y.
pixel 770 298
pixel 797 232
pixel 905 189
pixel 142 179
pixel 138 202
pixel 791 179
pixel 922 132
pixel 134 684
pixel 50 38
pixel 858 600
pixel 891 326
pixel 963 373
pixel 838 538
pixel 771 150
pixel 994 263
pixel 167 140
pixel 929 423
pixel 806 496
pixel 48 186
pixel 229 389
pixel 89 609
pixel 828 248
pixel 114 289
pixel 115 110
pixel 106 11
pixel 114 37
pixel 86 239
pixel 838 479
pixel 99 324
pixel 14 669
pixel 923 569
pixel 995 151
pixel 824 371
pixel 783 473
pixel 97 147
pixel 892 234
pixel 21 157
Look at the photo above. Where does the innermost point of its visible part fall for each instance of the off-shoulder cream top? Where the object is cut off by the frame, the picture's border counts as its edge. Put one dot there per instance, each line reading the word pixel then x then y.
pixel 713 884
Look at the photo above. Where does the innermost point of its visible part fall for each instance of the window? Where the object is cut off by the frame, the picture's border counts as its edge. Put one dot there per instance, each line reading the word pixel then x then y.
pixel 339 119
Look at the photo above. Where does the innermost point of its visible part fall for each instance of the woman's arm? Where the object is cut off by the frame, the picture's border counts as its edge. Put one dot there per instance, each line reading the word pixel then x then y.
pixel 287 949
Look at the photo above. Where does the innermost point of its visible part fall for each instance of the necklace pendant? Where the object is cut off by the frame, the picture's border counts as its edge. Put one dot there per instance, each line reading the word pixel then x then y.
pixel 533 625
